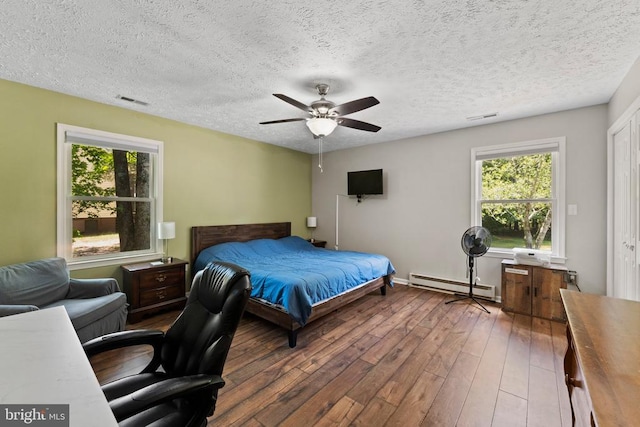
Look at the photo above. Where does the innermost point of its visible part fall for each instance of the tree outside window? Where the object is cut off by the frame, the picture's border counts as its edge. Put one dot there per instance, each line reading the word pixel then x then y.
pixel 109 196
pixel 518 195
pixel 110 200
pixel 516 202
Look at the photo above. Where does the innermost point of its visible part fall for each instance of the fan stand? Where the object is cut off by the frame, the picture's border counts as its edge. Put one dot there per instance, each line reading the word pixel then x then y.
pixel 470 296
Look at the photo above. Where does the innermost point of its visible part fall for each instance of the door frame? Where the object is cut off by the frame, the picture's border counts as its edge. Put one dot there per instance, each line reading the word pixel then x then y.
pixel 616 127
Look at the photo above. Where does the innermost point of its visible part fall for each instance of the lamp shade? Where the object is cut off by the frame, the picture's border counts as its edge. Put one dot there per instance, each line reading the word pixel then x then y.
pixel 166 230
pixel 312 222
pixel 320 126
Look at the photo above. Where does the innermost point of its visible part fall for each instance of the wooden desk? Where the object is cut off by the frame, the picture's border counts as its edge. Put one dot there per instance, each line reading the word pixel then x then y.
pixel 602 364
pixel 42 362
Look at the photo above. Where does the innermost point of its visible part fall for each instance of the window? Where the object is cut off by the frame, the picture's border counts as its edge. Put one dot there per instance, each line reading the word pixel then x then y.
pixel 518 194
pixel 109 196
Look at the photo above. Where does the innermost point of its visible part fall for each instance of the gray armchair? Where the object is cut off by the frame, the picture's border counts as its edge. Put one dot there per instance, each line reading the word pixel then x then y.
pixel 95 306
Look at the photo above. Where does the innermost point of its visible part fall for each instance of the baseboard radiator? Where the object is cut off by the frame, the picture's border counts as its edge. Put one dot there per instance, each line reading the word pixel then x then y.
pixel 419 280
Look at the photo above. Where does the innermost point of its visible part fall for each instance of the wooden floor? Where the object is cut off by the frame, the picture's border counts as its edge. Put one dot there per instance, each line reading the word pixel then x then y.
pixel 404 359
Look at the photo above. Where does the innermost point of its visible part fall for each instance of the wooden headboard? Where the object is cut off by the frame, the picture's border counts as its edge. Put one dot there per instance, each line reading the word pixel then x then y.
pixel 204 236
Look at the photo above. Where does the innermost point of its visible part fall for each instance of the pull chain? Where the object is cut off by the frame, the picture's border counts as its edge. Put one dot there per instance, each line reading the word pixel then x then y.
pixel 320 153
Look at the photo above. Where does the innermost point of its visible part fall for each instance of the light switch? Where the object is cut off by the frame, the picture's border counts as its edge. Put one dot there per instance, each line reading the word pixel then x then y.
pixel 572 210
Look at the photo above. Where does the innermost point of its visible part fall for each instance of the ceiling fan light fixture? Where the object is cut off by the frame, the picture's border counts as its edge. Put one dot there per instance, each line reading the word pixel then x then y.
pixel 321 126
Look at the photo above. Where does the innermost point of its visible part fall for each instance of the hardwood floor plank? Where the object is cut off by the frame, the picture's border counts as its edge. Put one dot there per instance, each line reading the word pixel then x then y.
pixel 370 304
pixel 543 407
pixel 503 324
pixel 464 317
pixel 319 405
pixel 430 301
pixel 448 403
pixel 305 389
pixel 405 359
pixel 414 407
pixel 376 413
pixel 383 347
pixel 403 379
pixel 236 406
pixel 541 345
pixel 481 400
pixel 515 376
pixel 344 412
pixel 559 342
pixel 337 346
pixel 401 311
pixel 479 336
pixel 367 388
pixel 242 389
pixel 400 383
pixel 427 303
pixel 511 411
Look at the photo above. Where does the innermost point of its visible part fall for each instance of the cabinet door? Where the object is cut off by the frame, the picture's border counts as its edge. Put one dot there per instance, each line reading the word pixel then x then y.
pixel 516 289
pixel 546 300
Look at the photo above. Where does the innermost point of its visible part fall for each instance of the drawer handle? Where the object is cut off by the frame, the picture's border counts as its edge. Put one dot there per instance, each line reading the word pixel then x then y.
pixel 161 278
pixel 161 295
pixel 572 381
pixel 528 291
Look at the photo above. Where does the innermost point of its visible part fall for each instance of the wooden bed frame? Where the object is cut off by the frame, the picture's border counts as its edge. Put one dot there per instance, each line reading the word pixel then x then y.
pixel 204 236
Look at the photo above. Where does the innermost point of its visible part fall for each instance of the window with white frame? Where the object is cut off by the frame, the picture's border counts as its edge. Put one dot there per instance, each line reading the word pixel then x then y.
pixel 109 196
pixel 518 193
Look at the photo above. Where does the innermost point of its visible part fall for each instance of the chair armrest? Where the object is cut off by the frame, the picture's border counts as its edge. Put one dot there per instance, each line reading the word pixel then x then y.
pixel 123 339
pixel 10 309
pixel 91 288
pixel 163 391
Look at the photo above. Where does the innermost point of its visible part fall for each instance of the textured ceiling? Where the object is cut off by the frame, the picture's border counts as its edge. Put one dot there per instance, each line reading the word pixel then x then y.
pixel 431 63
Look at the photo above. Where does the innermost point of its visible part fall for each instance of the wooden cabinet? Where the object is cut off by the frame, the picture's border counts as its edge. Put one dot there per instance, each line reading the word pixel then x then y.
pixel 151 288
pixel 533 290
pixel 574 379
pixel 318 243
pixel 601 363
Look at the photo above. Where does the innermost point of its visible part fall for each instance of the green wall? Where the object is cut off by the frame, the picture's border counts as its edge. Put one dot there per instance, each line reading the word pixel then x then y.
pixel 209 177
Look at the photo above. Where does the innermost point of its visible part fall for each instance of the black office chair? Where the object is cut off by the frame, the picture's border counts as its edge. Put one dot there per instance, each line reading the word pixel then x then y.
pixel 191 354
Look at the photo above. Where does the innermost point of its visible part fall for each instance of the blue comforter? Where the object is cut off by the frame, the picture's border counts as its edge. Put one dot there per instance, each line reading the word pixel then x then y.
pixel 292 273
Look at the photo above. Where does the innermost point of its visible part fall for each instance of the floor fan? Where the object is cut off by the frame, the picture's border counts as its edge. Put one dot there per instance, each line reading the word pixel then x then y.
pixel 475 242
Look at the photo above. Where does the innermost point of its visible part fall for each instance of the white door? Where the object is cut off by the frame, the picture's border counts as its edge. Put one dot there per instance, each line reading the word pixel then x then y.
pixel 635 203
pixel 624 241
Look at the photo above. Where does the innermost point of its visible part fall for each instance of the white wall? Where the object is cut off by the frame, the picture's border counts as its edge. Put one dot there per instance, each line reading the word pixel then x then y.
pixel 426 207
pixel 626 93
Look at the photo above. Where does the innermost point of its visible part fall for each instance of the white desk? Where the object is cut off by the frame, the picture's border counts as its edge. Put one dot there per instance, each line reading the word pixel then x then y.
pixel 42 362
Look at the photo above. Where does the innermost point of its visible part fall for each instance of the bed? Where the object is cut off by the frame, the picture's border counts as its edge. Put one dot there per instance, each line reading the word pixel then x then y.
pixel 276 251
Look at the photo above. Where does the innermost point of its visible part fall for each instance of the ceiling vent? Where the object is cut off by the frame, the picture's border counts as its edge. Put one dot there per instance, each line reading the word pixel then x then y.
pixel 482 117
pixel 135 101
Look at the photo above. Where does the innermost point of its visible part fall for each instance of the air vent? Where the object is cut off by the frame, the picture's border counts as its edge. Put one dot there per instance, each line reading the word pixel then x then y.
pixel 482 117
pixel 135 101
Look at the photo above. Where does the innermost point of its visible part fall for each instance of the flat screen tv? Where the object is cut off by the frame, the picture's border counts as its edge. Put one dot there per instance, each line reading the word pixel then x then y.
pixel 360 183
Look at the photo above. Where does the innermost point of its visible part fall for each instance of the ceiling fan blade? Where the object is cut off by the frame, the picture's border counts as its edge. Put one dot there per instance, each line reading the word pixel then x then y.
pixel 293 102
pixel 357 124
pixel 282 121
pixel 353 106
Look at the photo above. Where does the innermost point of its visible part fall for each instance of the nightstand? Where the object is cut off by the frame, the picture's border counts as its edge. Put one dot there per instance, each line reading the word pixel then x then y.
pixel 151 288
pixel 318 243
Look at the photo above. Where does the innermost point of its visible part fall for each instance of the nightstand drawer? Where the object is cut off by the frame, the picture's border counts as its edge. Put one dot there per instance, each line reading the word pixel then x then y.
pixel 151 287
pixel 161 278
pixel 159 295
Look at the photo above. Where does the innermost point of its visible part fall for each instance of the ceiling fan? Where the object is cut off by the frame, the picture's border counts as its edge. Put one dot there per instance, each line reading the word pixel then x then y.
pixel 325 116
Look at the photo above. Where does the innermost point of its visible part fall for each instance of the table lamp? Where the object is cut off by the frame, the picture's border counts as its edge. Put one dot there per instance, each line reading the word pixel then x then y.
pixel 312 223
pixel 166 231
